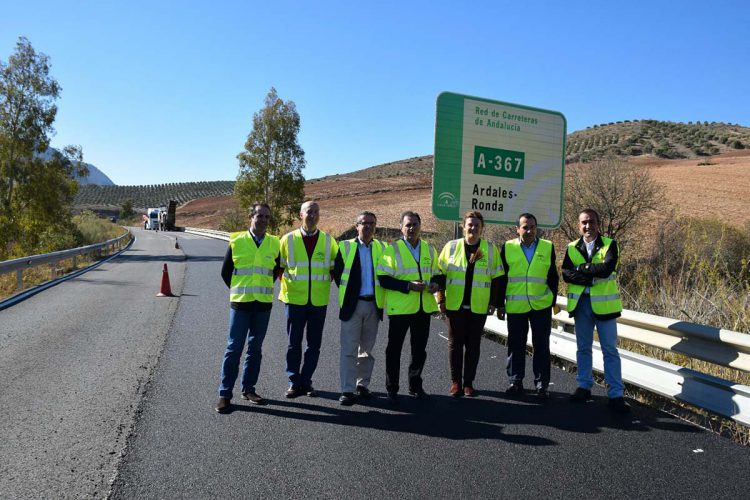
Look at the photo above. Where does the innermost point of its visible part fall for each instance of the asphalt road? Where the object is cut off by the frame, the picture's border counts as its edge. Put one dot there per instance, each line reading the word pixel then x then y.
pixel 74 363
pixel 490 446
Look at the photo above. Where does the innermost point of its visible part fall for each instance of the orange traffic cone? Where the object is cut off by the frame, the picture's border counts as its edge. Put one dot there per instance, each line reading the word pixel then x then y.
pixel 166 290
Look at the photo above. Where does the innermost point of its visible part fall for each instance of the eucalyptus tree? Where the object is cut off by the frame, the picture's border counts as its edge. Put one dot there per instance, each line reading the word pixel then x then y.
pixel 271 163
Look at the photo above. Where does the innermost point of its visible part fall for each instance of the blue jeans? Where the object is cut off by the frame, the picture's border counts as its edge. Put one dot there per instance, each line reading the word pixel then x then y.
pixel 607 330
pixel 297 317
pixel 250 325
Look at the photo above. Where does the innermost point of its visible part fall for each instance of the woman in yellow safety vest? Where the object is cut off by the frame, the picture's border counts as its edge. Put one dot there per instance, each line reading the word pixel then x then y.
pixel 472 268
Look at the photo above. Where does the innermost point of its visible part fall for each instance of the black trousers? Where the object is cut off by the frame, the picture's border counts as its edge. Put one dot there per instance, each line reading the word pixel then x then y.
pixel 465 330
pixel 419 325
pixel 518 329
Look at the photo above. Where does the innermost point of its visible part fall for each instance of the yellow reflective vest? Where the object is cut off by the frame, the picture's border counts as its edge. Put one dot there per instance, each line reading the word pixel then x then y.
pixel 604 292
pixel 398 262
pixel 348 249
pixel 453 263
pixel 252 279
pixel 527 281
pixel 306 278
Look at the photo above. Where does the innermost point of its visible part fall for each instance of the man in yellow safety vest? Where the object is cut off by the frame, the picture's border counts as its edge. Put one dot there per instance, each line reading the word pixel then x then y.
pixel 529 291
pixel 250 267
pixel 307 258
pixel 405 271
pixel 361 300
pixel 590 269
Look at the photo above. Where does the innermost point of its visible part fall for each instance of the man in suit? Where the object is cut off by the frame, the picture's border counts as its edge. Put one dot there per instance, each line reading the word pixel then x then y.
pixel 361 303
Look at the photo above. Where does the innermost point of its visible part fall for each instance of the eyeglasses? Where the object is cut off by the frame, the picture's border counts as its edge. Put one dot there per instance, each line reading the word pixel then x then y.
pixel 362 223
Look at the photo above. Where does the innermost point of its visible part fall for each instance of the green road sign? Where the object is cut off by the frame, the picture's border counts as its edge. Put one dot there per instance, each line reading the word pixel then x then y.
pixel 499 158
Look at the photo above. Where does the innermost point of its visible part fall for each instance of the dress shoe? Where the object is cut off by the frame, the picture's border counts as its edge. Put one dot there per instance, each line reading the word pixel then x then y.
pixel 419 393
pixel 580 396
pixel 514 389
pixel 618 405
pixel 294 391
pixel 347 399
pixel 393 397
pixel 542 392
pixel 455 390
pixel 223 406
pixel 309 390
pixel 469 391
pixel 253 397
pixel 363 392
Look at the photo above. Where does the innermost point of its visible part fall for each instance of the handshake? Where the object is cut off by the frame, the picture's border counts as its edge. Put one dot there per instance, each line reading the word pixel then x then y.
pixel 420 285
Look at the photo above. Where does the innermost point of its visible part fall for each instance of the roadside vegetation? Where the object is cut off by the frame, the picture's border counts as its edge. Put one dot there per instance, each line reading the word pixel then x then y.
pixel 37 185
pixel 88 229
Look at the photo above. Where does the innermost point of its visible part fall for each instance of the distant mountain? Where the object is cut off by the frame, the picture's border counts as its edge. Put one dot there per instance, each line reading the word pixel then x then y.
pixel 95 176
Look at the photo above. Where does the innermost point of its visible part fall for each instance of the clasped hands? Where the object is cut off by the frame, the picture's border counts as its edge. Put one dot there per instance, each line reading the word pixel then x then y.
pixel 420 285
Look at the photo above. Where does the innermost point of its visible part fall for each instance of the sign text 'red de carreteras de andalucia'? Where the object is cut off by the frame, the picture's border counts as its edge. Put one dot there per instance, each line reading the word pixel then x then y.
pixel 499 158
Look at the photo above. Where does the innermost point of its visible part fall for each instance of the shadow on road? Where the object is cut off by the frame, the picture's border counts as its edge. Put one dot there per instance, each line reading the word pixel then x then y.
pixel 465 418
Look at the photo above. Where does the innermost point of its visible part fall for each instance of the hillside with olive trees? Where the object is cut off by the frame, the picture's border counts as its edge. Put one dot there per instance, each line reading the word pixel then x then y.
pixel 660 139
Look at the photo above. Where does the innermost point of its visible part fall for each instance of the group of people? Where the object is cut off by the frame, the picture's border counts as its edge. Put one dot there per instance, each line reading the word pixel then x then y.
pixel 468 280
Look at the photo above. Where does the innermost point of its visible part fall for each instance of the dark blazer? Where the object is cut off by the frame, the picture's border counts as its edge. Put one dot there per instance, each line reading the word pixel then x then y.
pixel 351 296
pixel 585 274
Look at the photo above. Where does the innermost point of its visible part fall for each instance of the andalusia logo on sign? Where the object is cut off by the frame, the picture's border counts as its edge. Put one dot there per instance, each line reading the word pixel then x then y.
pixel 447 200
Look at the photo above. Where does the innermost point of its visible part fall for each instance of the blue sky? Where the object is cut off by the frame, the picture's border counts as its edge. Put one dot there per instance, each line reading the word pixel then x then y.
pixel 158 92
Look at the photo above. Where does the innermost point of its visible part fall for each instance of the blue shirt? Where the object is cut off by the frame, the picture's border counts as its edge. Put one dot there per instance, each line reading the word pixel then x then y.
pixel 367 288
pixel 258 241
pixel 528 251
pixel 414 250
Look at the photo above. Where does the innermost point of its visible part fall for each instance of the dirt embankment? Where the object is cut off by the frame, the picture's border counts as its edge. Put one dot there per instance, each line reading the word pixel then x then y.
pixel 718 189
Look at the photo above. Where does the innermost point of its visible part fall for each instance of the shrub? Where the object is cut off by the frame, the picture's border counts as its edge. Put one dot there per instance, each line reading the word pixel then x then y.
pixel 93 229
pixel 234 220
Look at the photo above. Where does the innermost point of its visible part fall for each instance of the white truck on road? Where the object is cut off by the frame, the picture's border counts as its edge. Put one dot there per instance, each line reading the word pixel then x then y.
pixel 152 221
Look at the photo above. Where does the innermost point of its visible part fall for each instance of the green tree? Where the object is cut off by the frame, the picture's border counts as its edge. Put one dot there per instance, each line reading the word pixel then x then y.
pixel 36 184
pixel 126 209
pixel 272 162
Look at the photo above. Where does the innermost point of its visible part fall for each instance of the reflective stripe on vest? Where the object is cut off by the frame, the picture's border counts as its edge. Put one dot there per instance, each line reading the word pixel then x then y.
pixel 252 279
pixel 347 249
pixel 453 263
pixel 306 278
pixel 392 263
pixel 527 281
pixel 604 292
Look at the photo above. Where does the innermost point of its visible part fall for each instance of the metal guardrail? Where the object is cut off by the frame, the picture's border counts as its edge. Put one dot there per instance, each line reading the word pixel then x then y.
pixel 722 347
pixel 211 233
pixel 23 263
